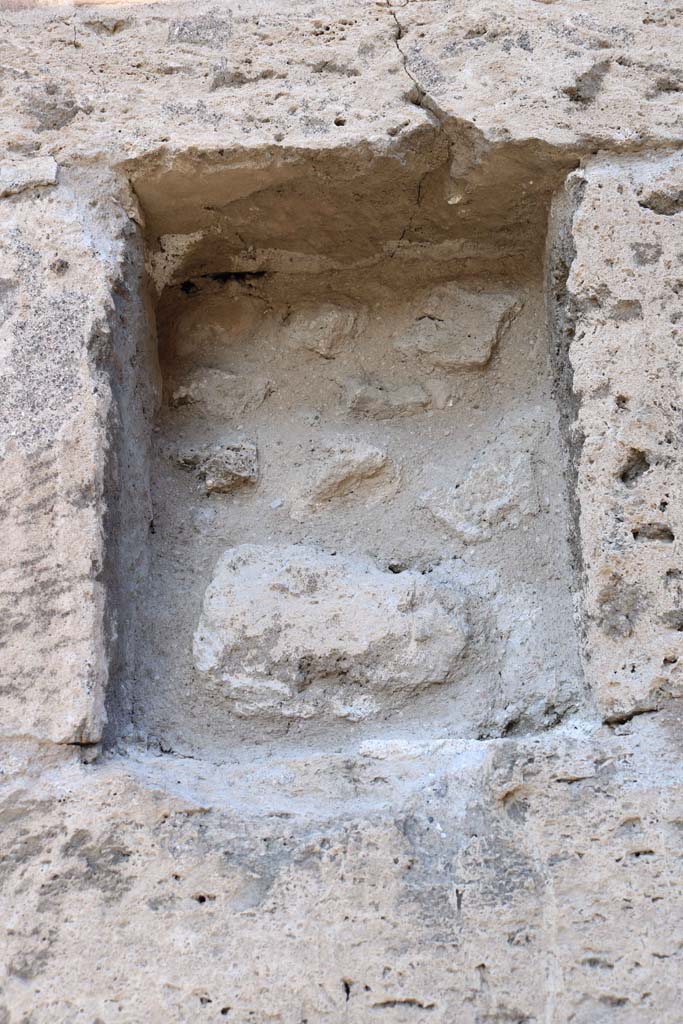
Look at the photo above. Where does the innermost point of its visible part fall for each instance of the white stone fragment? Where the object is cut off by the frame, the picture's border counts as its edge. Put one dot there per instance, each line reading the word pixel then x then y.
pixel 497 493
pixel 222 467
pixel 322 328
pixel 20 175
pixel 455 329
pixel 302 632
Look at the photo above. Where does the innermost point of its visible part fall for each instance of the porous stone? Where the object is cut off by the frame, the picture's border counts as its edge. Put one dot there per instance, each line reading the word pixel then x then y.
pixel 627 433
pixel 455 329
pixel 268 221
pixel 301 632
pixel 380 402
pixel 221 467
pixel 346 469
pixel 498 492
pixel 322 329
pixel 211 29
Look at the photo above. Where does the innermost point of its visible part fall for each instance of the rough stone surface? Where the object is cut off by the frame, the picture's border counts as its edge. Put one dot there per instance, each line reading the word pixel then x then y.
pixel 299 631
pixel 498 492
pixel 340 445
pixel 624 303
pixel 380 403
pixel 347 469
pixel 322 329
pixel 58 329
pixel 19 176
pixel 218 394
pixel 457 330
pixel 221 467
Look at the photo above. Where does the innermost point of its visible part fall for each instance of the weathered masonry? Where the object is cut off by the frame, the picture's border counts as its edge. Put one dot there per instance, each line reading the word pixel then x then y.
pixel 340 428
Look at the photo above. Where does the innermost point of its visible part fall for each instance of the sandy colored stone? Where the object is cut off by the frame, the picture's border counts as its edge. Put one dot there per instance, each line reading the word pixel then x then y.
pixel 346 469
pixel 221 467
pixel 624 305
pixel 498 492
pixel 21 175
pixel 457 330
pixel 416 756
pixel 300 632
pixel 323 329
pixel 380 402
pixel 219 394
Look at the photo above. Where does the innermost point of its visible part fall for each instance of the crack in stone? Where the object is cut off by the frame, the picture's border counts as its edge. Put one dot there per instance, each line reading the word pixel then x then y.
pixel 420 97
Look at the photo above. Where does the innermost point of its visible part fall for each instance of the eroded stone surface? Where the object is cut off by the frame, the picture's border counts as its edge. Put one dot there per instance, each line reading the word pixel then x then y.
pixel 222 467
pixel 346 457
pixel 56 338
pixel 380 402
pixel 498 491
pixel 219 394
pixel 21 175
pixel 348 469
pixel 624 304
pixel 304 175
pixel 520 861
pixel 300 632
pixel 322 329
pixel 455 329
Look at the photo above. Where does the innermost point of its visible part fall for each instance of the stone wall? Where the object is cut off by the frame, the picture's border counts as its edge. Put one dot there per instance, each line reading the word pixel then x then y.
pixel 341 576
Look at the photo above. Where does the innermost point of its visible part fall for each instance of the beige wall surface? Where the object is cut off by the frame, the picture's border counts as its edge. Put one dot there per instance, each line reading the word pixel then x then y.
pixel 341 585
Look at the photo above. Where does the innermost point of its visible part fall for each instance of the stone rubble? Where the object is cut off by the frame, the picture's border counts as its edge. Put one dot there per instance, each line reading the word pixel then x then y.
pixel 221 467
pixel 312 632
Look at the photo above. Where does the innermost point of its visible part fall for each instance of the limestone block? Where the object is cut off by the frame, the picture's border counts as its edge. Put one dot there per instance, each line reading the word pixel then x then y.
pixel 300 632
pixel 58 419
pixel 221 467
pixel 547 72
pixel 343 470
pixel 408 868
pixel 323 329
pixel 626 237
pixel 219 394
pixel 379 402
pixel 514 862
pixel 18 176
pixel 455 329
pixel 498 492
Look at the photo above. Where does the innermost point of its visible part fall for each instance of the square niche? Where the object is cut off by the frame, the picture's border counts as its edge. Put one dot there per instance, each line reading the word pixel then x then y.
pixel 360 522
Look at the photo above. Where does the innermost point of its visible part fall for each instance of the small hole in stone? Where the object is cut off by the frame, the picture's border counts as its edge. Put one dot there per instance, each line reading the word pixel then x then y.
pixel 655 532
pixel 339 120
pixel 636 464
pixel 674 620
